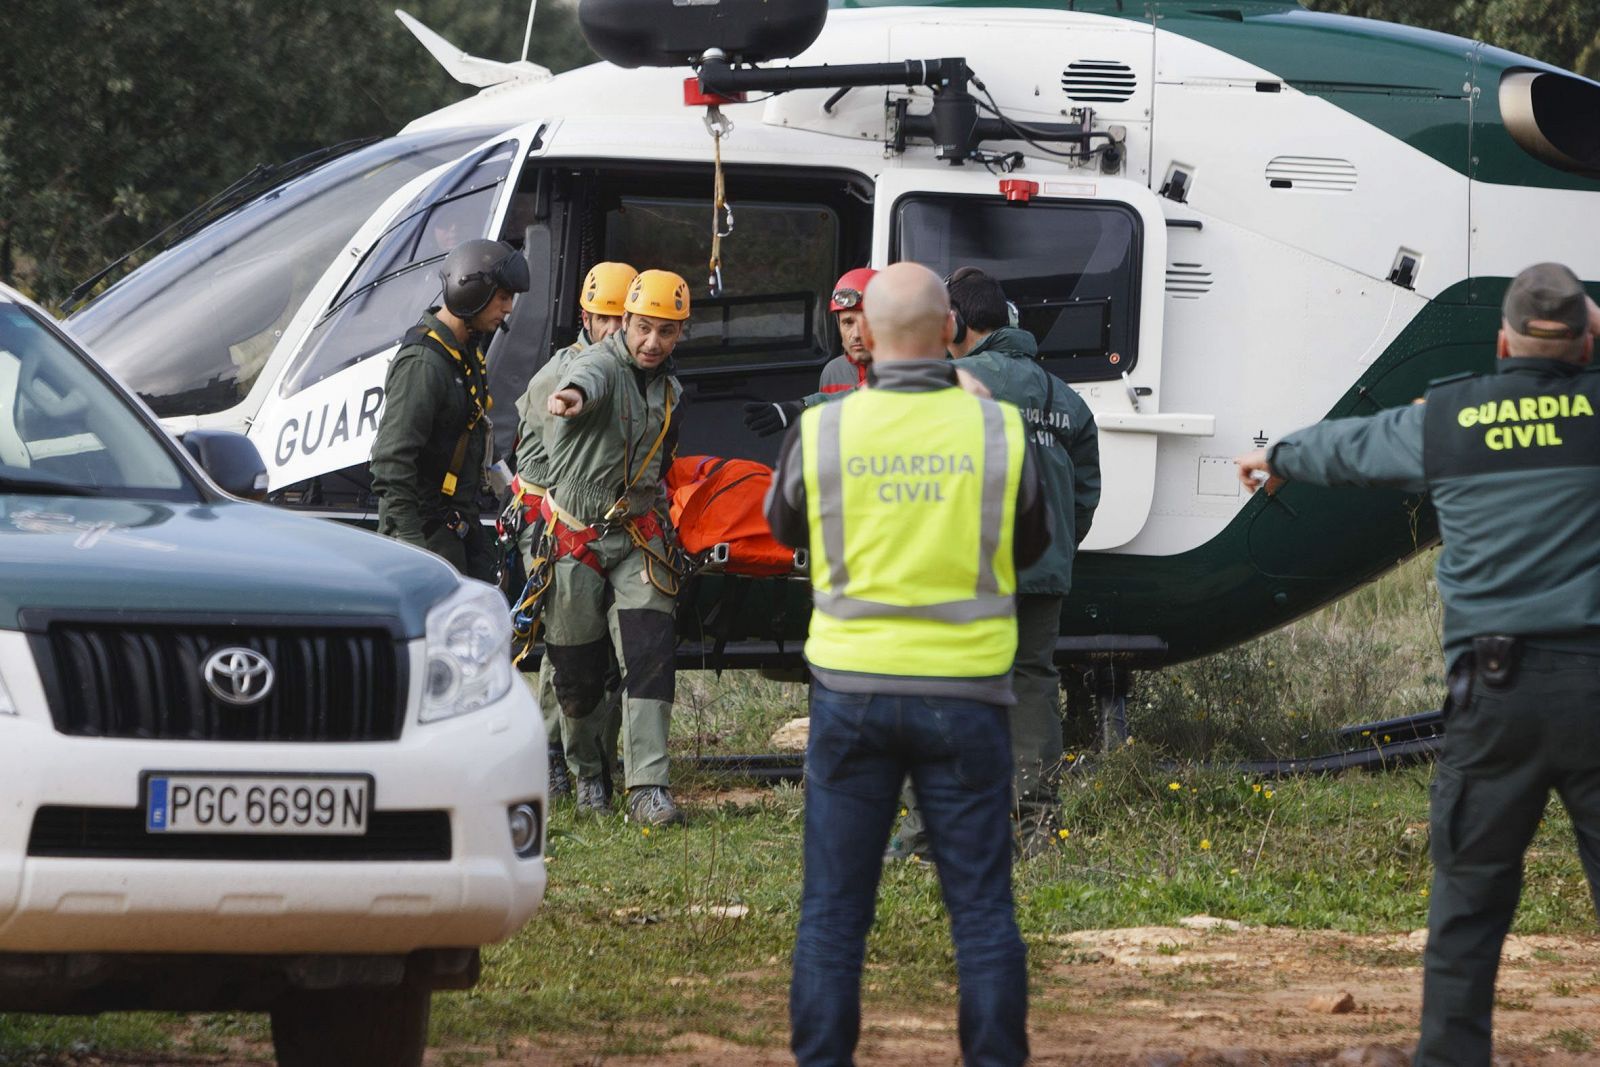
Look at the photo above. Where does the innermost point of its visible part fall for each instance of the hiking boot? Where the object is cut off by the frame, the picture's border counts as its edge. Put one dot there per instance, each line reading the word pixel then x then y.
pixel 1035 827
pixel 560 780
pixel 912 847
pixel 593 797
pixel 910 839
pixel 651 805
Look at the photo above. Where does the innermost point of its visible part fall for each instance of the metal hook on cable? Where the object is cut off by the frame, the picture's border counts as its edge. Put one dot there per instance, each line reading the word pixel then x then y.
pixel 718 126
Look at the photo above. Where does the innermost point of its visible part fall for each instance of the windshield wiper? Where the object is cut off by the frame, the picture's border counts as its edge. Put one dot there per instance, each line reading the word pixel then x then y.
pixel 236 194
pixel 45 487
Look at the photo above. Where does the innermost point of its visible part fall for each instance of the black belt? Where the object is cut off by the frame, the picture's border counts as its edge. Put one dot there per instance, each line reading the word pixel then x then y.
pixel 1493 661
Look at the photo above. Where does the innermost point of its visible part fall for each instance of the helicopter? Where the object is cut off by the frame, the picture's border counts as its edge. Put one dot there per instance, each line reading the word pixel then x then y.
pixel 1223 220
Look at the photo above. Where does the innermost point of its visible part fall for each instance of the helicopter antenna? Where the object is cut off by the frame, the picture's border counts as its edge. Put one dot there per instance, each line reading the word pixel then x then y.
pixel 527 34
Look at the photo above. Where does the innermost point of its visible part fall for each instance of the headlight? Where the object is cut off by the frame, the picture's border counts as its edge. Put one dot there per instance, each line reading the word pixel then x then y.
pixel 468 652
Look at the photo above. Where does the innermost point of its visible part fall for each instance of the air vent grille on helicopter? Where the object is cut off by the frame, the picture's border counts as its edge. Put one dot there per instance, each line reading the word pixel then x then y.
pixel 1098 81
pixel 1187 281
pixel 1312 174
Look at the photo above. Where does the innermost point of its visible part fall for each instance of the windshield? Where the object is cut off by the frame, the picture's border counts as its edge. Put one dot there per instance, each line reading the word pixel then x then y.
pixel 64 429
pixel 190 330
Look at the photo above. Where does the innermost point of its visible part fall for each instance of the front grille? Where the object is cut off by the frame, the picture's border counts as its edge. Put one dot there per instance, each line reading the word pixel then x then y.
pixel 119 833
pixel 144 680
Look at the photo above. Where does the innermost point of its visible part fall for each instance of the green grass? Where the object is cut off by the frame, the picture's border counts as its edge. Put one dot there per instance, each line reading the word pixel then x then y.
pixel 632 949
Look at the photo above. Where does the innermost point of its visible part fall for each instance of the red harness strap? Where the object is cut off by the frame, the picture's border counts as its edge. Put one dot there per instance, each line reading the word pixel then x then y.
pixel 570 542
pixel 647 526
pixel 575 543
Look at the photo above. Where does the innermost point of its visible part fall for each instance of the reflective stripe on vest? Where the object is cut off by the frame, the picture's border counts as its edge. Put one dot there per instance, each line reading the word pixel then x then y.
pixel 917 478
pixel 987 601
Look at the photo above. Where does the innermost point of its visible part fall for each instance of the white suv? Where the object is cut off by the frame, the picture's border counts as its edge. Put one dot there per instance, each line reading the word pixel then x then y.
pixel 250 760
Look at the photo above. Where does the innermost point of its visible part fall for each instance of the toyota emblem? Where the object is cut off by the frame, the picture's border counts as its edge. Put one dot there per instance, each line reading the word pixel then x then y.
pixel 238 675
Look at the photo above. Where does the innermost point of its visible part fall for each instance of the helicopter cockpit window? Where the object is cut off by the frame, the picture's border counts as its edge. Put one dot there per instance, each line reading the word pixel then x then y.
pixel 399 277
pixel 778 264
pixel 190 330
pixel 1071 267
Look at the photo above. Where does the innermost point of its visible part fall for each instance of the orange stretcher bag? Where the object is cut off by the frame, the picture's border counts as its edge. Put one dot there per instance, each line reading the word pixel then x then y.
pixel 719 502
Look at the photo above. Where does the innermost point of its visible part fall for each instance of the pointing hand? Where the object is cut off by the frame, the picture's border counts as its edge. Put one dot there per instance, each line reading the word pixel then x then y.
pixel 565 403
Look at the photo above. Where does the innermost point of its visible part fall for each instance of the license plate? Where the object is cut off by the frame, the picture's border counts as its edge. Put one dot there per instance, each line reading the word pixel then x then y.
pixel 200 803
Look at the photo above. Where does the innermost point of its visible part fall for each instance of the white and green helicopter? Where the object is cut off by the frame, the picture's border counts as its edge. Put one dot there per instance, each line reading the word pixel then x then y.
pixel 1222 219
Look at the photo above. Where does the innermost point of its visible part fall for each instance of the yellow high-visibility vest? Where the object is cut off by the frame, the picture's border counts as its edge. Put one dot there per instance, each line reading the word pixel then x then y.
pixel 911 499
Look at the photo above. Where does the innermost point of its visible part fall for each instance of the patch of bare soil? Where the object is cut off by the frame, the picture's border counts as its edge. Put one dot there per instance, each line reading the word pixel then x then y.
pixel 1209 994
pixel 1203 994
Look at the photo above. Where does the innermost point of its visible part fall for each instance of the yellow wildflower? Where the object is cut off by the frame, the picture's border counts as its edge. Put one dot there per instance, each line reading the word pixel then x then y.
pixel 1174 786
pixel 1205 844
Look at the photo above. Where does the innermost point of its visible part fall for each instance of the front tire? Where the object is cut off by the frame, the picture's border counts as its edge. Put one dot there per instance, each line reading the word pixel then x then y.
pixel 385 1027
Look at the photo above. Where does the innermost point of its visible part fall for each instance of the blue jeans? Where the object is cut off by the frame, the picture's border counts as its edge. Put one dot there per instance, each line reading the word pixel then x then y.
pixel 958 753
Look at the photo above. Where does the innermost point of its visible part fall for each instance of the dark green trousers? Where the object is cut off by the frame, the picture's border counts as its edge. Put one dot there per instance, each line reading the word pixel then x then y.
pixel 1036 745
pixel 1035 720
pixel 1504 751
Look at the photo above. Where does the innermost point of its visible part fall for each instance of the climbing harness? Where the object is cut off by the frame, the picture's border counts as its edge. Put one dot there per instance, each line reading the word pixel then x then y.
pixel 564 534
pixel 476 375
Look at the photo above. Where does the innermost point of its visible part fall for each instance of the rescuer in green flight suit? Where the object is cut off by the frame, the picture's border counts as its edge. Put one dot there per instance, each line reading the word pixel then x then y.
pixel 428 457
pixel 588 745
pixel 610 441
pixel 1512 463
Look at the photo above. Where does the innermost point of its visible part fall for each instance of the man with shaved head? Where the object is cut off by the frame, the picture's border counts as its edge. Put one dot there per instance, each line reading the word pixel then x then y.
pixel 918 502
pixel 1511 461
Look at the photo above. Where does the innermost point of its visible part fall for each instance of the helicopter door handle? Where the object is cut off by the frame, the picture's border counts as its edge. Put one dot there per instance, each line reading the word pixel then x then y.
pixel 1178 424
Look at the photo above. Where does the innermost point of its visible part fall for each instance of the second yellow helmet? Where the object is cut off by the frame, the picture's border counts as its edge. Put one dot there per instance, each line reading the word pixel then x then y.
pixel 605 288
pixel 660 294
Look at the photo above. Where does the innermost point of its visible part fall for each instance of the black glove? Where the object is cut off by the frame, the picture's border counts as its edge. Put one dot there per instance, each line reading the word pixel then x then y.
pixel 768 419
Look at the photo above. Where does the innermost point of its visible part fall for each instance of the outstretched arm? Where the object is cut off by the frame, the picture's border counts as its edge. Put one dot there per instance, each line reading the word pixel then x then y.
pixel 1380 450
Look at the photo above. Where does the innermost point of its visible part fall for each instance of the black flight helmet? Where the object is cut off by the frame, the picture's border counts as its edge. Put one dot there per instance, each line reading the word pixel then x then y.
pixel 476 269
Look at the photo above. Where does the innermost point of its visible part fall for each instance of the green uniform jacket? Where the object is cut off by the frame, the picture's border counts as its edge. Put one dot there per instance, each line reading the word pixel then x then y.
pixel 425 409
pixel 1518 497
pixel 533 462
pixel 595 455
pixel 1064 435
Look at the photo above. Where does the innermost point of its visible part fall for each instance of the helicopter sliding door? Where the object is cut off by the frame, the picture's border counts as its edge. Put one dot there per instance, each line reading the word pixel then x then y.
pixel 316 428
pixel 1082 259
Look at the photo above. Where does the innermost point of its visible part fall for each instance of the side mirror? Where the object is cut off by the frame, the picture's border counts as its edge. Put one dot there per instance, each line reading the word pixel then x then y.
pixel 231 460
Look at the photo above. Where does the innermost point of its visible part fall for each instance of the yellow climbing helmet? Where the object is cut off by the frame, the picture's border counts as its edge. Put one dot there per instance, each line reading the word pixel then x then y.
pixel 660 294
pixel 605 287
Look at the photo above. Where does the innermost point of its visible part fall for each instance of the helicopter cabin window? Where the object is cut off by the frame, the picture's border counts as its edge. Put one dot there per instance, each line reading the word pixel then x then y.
pixel 1071 267
pixel 399 278
pixel 777 267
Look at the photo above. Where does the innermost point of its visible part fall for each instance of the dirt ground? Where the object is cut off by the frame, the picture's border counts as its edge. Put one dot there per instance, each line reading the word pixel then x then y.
pixel 1203 994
